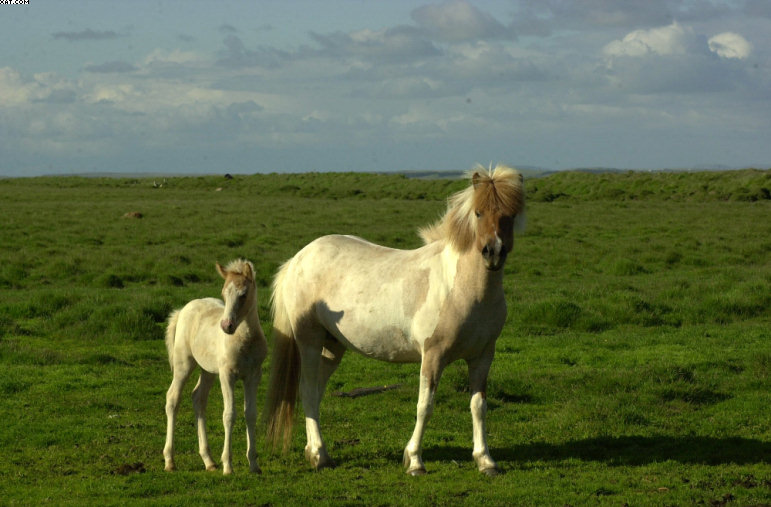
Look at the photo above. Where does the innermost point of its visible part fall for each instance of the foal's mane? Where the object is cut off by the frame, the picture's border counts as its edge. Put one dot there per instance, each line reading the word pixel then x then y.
pixel 499 190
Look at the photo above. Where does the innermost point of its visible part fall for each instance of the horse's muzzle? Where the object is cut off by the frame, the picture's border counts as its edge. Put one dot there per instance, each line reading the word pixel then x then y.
pixel 228 326
pixel 494 255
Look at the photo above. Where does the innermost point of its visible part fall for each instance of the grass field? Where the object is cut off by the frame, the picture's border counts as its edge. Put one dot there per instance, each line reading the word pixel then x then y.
pixel 634 366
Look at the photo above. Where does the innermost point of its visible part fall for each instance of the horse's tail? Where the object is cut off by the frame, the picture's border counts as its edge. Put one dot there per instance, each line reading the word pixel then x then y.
pixel 171 331
pixel 284 369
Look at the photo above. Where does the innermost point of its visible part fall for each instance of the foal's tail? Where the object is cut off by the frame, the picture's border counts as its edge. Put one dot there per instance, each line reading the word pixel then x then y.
pixel 171 331
pixel 284 369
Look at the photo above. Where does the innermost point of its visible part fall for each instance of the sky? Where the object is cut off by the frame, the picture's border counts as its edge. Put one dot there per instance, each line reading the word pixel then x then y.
pixel 194 87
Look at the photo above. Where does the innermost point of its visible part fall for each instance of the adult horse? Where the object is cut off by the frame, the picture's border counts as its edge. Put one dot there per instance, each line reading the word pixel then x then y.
pixel 225 339
pixel 434 305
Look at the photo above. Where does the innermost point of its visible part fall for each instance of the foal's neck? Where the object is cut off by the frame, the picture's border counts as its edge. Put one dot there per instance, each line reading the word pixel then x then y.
pixel 252 321
pixel 253 328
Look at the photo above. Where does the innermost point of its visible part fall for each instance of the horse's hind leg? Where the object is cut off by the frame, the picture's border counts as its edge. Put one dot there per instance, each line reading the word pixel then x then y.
pixel 477 372
pixel 181 370
pixel 200 400
pixel 250 414
pixel 331 355
pixel 311 348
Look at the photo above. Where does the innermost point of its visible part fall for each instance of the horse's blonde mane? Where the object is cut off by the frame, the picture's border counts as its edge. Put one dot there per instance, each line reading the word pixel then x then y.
pixel 498 189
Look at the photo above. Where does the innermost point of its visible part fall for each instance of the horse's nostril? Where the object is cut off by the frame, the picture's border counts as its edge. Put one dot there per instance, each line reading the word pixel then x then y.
pixel 486 251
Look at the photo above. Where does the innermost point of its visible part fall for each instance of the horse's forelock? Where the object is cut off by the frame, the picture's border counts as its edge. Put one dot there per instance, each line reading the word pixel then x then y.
pixel 241 267
pixel 499 190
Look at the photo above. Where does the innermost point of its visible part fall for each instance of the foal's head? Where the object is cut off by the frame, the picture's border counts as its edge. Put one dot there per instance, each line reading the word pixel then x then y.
pixel 238 292
pixel 498 205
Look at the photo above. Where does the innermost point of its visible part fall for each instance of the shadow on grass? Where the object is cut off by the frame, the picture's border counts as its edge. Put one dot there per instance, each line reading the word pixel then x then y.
pixel 628 450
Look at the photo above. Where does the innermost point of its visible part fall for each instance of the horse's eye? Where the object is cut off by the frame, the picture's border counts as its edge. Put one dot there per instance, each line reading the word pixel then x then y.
pixel 478 214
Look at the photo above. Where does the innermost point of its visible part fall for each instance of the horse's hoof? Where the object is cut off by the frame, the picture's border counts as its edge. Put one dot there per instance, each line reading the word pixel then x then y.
pixel 170 468
pixel 255 470
pixel 327 463
pixel 416 472
pixel 491 472
pixel 320 459
pixel 211 468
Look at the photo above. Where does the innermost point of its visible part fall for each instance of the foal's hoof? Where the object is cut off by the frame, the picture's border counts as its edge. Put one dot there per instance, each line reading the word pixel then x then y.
pixel 170 468
pixel 255 470
pixel 417 471
pixel 211 468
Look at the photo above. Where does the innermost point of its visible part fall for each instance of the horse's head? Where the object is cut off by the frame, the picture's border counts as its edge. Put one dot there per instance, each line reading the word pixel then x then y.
pixel 498 206
pixel 238 293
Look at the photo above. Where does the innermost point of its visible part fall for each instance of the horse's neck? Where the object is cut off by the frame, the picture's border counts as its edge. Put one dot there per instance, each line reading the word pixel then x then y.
pixel 473 280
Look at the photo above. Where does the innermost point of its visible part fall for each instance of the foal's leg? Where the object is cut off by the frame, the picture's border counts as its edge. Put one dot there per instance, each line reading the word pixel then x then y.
pixel 430 373
pixel 310 372
pixel 200 400
pixel 250 414
pixel 477 372
pixel 227 380
pixel 181 369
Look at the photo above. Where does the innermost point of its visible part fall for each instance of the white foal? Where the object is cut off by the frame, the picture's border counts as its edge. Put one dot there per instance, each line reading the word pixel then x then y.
pixel 224 339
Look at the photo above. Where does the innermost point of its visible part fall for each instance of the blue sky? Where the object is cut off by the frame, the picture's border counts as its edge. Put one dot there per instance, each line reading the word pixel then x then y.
pixel 352 85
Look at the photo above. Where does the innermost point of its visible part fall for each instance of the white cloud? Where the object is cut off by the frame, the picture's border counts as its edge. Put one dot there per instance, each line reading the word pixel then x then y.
pixel 399 44
pixel 44 87
pixel 459 20
pixel 730 45
pixel 677 59
pixel 674 39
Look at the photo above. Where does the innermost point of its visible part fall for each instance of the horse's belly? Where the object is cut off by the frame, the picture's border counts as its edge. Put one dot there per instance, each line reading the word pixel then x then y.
pixel 387 343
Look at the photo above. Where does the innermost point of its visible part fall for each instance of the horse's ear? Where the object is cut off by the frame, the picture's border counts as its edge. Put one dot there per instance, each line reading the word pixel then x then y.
pixel 475 179
pixel 221 270
pixel 250 274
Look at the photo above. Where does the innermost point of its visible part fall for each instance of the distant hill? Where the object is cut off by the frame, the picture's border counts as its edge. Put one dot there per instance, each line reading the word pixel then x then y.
pixel 741 185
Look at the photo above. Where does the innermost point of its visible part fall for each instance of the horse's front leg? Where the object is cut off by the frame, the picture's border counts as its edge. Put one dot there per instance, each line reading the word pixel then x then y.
pixel 227 379
pixel 250 414
pixel 430 373
pixel 478 370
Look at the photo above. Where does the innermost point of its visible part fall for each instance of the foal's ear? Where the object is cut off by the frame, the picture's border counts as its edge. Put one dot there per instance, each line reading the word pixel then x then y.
pixel 221 270
pixel 250 273
pixel 475 179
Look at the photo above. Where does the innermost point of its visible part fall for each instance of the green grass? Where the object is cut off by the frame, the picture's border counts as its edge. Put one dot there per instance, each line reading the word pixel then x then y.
pixel 634 366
